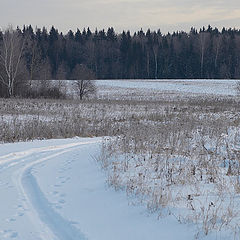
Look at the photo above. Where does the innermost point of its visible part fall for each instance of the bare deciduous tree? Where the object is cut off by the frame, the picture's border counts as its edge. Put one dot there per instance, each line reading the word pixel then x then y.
pixel 11 62
pixel 217 42
pixel 83 81
pixel 42 76
pixel 155 52
pixel 203 43
pixel 35 61
pixel 62 71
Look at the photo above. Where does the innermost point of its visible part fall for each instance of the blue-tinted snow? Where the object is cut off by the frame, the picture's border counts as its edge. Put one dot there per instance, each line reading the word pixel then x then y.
pixel 206 86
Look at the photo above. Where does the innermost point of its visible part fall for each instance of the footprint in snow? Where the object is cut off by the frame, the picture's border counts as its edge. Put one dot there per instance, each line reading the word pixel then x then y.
pixel 9 234
pixel 20 214
pixel 11 219
pixel 21 208
pixel 13 235
pixel 58 207
pixel 73 222
pixel 62 201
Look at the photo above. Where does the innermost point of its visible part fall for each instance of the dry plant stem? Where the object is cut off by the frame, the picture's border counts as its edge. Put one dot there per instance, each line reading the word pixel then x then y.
pixel 170 154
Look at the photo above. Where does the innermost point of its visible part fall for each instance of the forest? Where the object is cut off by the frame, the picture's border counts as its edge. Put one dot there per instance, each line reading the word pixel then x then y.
pixel 39 54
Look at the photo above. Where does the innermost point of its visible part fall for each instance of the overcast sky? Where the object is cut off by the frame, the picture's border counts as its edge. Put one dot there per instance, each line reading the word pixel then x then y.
pixel 168 15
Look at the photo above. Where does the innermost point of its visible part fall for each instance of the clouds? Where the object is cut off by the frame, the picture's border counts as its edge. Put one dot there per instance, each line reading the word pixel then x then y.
pixel 122 14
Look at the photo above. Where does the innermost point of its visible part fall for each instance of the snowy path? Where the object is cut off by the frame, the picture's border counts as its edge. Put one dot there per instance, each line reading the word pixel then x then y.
pixel 60 227
pixel 53 190
pixel 49 224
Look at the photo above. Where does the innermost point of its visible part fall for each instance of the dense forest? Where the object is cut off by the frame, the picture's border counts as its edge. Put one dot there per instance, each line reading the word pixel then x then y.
pixel 204 53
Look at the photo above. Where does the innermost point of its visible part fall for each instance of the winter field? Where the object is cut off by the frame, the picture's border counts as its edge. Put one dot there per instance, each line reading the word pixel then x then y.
pixel 141 160
pixel 184 87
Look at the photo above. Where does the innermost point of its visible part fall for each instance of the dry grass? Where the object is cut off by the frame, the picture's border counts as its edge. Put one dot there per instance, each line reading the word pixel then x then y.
pixel 172 153
pixel 181 155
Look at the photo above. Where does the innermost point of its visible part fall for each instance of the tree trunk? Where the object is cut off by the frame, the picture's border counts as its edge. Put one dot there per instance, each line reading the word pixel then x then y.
pixel 156 66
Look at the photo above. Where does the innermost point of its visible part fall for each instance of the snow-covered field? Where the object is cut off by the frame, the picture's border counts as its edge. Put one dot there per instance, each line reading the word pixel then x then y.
pixel 206 87
pixel 54 189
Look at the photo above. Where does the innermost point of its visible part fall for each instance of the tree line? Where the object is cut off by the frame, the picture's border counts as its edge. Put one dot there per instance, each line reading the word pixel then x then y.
pixel 29 54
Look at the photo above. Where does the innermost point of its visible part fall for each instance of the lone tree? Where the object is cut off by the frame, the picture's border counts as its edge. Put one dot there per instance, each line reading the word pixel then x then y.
pixel 83 84
pixel 12 67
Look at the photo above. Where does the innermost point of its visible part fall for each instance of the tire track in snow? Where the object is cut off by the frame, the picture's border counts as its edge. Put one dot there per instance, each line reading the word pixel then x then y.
pixel 21 154
pixel 51 224
pixel 60 227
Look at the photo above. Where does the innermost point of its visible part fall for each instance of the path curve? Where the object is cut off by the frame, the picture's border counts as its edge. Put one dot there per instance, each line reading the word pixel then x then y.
pixel 51 225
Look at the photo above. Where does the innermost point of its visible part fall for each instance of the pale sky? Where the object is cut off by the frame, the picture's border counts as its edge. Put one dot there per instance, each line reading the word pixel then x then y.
pixel 168 15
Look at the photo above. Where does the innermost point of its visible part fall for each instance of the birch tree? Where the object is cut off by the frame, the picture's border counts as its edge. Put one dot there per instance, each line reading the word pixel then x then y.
pixel 203 43
pixel 155 52
pixel 11 62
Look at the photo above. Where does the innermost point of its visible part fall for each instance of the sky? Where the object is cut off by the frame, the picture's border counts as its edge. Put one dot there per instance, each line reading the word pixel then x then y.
pixel 167 15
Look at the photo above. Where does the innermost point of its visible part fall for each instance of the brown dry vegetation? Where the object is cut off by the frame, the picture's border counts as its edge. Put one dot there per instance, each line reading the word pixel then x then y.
pixel 184 155
pixel 180 152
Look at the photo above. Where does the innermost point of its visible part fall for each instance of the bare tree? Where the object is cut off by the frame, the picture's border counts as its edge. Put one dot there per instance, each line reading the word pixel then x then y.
pixel 42 79
pixel 83 81
pixel 155 52
pixel 217 41
pixel 62 71
pixel 11 61
pixel 61 77
pixel 35 62
pixel 203 42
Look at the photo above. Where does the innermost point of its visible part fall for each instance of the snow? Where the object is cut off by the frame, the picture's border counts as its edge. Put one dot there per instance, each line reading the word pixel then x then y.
pixel 205 86
pixel 55 189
